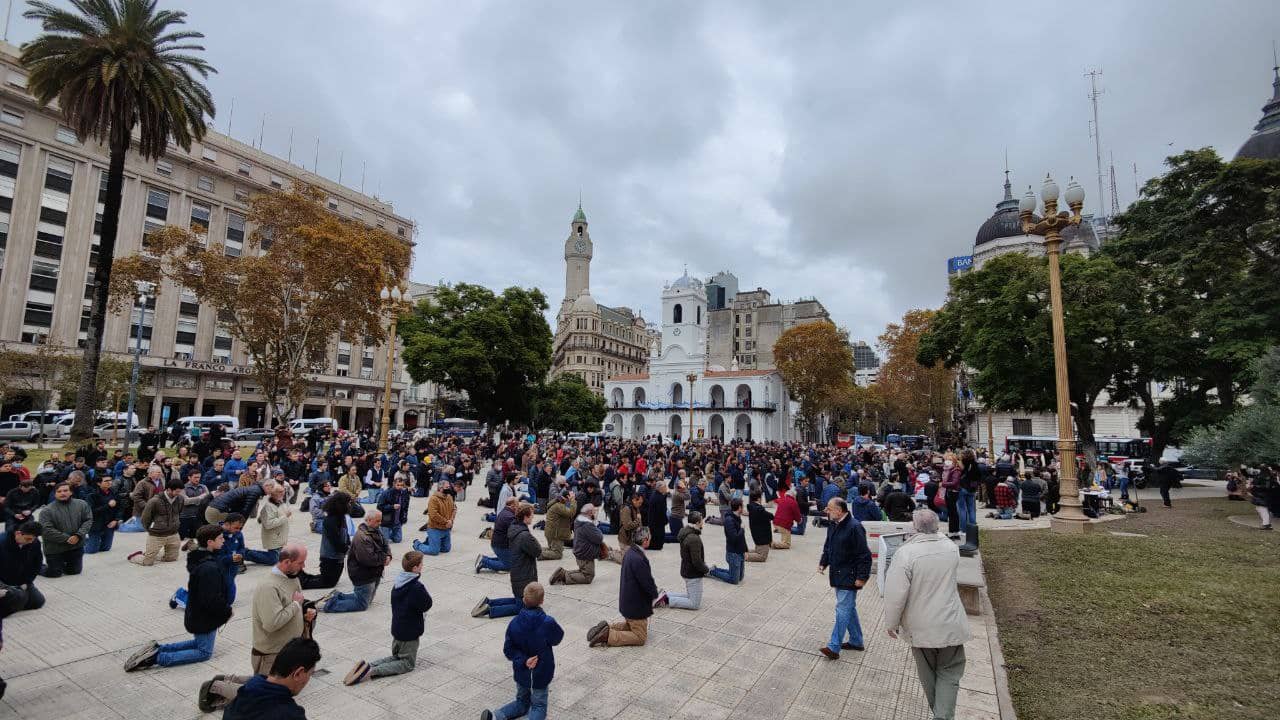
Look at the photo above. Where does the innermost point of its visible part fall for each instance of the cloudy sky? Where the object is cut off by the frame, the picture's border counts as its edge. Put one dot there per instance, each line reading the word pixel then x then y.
pixel 839 150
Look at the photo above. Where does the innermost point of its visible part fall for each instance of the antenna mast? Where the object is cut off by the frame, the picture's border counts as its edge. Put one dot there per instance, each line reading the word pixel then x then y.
pixel 1115 195
pixel 1094 92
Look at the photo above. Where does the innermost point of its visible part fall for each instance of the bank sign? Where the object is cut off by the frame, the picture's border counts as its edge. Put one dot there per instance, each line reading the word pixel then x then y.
pixel 957 264
pixel 209 367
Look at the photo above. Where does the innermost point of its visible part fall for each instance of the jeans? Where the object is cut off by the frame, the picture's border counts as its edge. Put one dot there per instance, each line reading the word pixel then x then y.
pixel 501 563
pixel 1124 487
pixel 403 658
pixel 799 527
pixel 692 597
pixel 21 597
pixel 392 534
pixel 262 557
pixel 674 523
pixel 732 574
pixel 198 649
pixel 97 542
pixel 67 563
pixel 504 607
pixel 1006 513
pixel 967 504
pixel 529 701
pixel 358 600
pixel 438 541
pixel 846 620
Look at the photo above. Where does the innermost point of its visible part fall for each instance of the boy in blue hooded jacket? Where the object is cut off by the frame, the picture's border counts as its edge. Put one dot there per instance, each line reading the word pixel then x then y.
pixel 531 635
pixel 410 602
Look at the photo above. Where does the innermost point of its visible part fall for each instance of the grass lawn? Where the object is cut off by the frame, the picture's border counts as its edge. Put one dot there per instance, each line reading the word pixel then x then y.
pixel 1183 623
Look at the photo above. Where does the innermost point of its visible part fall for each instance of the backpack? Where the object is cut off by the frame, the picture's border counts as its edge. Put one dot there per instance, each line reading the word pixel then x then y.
pixel 940 498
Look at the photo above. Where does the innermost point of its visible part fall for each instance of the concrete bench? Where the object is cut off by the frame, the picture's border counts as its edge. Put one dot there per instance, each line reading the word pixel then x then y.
pixel 876 528
pixel 969 583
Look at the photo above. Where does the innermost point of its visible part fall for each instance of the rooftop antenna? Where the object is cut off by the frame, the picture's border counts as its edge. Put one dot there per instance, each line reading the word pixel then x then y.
pixel 1094 92
pixel 230 114
pixel 8 10
pixel 315 164
pixel 362 169
pixel 342 155
pixel 1115 196
pixel 1137 191
pixel 289 158
pixel 261 129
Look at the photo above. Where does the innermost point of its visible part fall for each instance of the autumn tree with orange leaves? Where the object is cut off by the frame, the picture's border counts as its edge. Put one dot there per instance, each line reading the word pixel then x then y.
pixel 912 393
pixel 305 276
pixel 817 366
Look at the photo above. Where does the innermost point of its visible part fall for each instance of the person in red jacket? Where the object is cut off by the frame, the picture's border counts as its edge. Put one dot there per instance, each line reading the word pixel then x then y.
pixel 786 513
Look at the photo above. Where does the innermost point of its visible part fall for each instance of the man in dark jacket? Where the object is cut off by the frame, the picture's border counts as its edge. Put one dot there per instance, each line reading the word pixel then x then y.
pixel 64 524
pixel 20 559
pixel 500 561
pixel 760 521
pixel 208 608
pixel 21 503
pixel 367 557
pixel 636 594
pixel 864 507
pixel 588 546
pixel 104 502
pixel 656 516
pixel 525 552
pixel 243 500
pixel 529 642
pixel 394 504
pixel 846 553
pixel 693 567
pixel 270 696
pixel 160 518
pixel 735 545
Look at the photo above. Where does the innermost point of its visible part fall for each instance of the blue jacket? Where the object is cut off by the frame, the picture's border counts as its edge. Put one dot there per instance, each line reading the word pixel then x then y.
pixel 235 468
pixel 845 553
pixel 864 509
pixel 410 601
pixel 390 516
pixel 532 633
pixel 829 490
pixel 259 699
pixel 735 540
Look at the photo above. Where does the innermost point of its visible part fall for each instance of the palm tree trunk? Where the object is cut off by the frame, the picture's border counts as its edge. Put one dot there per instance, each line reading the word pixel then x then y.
pixel 86 394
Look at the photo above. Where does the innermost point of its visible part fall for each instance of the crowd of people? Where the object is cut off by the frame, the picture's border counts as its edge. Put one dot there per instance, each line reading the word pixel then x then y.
pixel 617 501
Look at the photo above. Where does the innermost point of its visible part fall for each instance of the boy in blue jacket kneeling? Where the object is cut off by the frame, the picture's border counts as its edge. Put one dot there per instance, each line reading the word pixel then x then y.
pixel 530 636
pixel 410 602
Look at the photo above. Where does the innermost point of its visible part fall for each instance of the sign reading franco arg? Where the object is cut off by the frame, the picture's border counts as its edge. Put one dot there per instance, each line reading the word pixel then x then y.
pixel 209 366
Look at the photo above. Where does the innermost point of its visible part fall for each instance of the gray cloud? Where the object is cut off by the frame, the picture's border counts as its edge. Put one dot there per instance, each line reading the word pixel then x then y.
pixel 815 149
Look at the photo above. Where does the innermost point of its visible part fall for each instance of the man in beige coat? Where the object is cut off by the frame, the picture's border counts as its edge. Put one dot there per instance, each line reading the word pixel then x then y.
pixel 278 617
pixel 922 606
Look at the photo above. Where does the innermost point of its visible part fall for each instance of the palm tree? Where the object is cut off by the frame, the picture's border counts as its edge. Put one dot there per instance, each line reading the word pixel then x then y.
pixel 114 66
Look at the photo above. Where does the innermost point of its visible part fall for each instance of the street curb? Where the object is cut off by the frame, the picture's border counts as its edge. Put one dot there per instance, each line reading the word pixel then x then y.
pixel 997 661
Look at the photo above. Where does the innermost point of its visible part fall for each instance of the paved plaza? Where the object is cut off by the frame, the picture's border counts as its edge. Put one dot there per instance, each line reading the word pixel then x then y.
pixel 751 651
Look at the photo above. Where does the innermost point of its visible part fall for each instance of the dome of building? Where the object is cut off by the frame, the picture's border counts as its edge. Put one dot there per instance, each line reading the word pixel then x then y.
pixel 685 282
pixel 1005 221
pixel 584 303
pixel 1264 144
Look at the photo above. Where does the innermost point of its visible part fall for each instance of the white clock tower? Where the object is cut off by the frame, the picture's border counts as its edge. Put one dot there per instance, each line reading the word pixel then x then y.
pixel 684 320
pixel 577 257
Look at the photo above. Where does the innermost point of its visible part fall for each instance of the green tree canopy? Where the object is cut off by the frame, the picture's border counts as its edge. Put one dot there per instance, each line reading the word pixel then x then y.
pixel 1252 433
pixel 1203 245
pixel 495 348
pixel 997 322
pixel 567 404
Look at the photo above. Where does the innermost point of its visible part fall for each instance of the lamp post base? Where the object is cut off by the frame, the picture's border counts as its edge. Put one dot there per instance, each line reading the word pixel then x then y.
pixel 1069 525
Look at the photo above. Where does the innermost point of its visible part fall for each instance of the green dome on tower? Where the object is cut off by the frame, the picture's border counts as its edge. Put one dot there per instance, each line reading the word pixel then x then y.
pixel 580 216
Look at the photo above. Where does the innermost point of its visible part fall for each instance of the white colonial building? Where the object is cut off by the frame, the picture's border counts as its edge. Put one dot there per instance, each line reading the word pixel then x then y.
pixel 727 403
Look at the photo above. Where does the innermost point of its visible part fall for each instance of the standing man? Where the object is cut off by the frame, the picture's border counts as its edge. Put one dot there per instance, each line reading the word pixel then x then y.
pixel 441 512
pixel 636 594
pixel 846 553
pixel 922 607
pixel 64 525
pixel 367 557
pixel 278 618
pixel 160 519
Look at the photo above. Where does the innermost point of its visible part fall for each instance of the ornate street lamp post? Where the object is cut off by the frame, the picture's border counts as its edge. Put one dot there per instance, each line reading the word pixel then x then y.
pixel 137 366
pixel 691 377
pixel 1070 516
pixel 393 304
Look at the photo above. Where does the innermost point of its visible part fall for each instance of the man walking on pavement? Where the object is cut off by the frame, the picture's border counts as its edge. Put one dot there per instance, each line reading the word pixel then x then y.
pixel 846 553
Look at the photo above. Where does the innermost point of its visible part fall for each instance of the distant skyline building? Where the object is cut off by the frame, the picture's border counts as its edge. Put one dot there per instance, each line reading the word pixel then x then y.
pixel 864 356
pixel 1002 233
pixel 741 334
pixel 722 288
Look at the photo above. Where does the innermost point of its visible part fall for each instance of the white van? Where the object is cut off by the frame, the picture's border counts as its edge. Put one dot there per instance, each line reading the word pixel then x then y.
pixel 302 426
pixel 204 422
pixel 62 428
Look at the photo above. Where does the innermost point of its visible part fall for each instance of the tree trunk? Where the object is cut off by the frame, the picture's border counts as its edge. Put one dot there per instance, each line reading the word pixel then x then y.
pixel 86 394
pixel 1083 412
pixel 1159 436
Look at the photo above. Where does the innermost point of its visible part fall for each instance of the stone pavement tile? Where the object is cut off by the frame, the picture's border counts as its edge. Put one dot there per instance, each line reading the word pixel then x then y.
pixel 736 676
pixel 818 704
pixel 720 693
pixel 761 703
pixel 696 709
pixel 835 676
pixel 978 683
pixel 978 701
pixel 17 660
pixel 697 666
pixel 857 709
pixel 967 714
pixel 753 655
pixel 51 694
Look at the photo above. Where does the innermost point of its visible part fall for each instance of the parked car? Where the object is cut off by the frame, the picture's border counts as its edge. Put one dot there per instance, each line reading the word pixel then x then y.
pixel 116 429
pixel 19 430
pixel 253 434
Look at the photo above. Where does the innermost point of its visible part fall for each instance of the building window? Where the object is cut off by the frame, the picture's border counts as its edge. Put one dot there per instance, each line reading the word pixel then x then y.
pixel 1022 426
pixel 400 230
pixel 677 314
pixel 220 385
pixel 37 314
pixel 9 116
pixel 243 168
pixel 204 182
pixel 277 181
pixel 18 80
pixel 209 154
pixel 242 194
pixel 164 167
pixel 359 213
pixel 200 218
pixel 157 204
pixel 66 135
pixel 235 234
pixel 332 203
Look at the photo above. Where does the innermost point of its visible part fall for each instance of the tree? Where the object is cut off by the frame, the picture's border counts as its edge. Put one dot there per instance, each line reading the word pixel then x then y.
pixel 912 393
pixel 318 276
pixel 567 404
pixel 1252 433
pixel 855 408
pixel 997 322
pixel 495 348
pixel 815 362
pixel 1203 244
pixel 37 375
pixel 116 66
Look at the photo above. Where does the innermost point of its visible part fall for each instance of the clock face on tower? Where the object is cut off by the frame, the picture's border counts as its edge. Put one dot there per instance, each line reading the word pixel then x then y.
pixel 580 245
pixel 675 331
